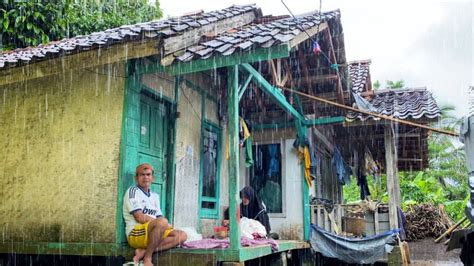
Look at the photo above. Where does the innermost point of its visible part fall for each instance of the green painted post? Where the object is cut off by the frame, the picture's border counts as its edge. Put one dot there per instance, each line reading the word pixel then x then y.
pixel 302 131
pixel 233 134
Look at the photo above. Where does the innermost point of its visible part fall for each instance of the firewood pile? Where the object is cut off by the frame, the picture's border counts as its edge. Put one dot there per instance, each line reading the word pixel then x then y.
pixel 426 220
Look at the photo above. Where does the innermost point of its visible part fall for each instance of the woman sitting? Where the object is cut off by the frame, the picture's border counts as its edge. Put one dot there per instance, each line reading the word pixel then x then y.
pixel 253 208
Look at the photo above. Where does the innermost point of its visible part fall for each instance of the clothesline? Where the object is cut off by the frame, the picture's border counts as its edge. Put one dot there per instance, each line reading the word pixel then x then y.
pixel 386 117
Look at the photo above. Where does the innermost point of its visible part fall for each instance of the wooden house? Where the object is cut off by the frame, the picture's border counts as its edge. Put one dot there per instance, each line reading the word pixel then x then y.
pixel 79 114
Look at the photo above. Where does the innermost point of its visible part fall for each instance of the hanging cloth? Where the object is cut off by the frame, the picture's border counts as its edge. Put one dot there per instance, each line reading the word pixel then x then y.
pixel 343 170
pixel 304 157
pixel 246 142
pixel 307 166
pixel 248 152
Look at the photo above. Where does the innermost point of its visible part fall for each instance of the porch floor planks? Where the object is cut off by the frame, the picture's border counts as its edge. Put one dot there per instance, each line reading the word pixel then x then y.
pixel 215 255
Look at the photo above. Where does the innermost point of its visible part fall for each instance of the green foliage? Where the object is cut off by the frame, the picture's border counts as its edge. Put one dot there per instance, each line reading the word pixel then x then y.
pixel 399 84
pixel 29 23
pixel 376 85
pixel 445 181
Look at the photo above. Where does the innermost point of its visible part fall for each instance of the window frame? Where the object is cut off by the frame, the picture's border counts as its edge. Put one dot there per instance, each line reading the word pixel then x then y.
pixel 205 212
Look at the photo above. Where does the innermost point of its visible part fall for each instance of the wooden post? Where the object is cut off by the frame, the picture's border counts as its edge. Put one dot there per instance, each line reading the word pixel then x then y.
pixel 233 162
pixel 393 183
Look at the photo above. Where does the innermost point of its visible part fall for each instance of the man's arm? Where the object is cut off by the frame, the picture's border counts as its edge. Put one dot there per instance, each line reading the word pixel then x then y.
pixel 141 217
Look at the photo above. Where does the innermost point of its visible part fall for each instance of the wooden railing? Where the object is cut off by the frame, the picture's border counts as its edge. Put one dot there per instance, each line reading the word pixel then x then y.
pixel 330 219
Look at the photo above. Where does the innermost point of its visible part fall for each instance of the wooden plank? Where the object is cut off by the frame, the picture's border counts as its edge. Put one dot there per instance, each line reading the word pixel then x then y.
pixel 233 162
pixel 376 222
pixel 393 183
pixel 320 217
pixel 310 80
pixel 88 59
pixel 248 253
pixel 320 136
pixel 244 87
pixel 272 91
pixel 334 61
pixel 304 67
pixel 214 62
pixel 62 248
pixel 326 221
pixel 192 37
pixel 301 37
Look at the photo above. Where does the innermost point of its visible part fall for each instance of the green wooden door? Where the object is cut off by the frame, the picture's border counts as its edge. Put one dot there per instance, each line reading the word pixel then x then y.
pixel 153 143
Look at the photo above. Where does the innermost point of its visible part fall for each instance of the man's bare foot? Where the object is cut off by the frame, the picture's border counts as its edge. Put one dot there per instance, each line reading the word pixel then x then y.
pixel 139 254
pixel 147 262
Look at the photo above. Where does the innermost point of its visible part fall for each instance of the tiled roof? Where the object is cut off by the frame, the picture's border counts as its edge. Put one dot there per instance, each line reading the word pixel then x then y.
pixel 416 103
pixel 154 29
pixel 256 36
pixel 359 72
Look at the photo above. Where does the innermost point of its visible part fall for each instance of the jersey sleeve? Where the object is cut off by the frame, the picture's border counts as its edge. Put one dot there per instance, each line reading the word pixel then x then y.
pixel 132 201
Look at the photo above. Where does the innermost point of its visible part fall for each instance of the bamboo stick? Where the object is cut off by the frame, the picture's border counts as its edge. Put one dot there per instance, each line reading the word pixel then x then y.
pixel 451 229
pixel 386 117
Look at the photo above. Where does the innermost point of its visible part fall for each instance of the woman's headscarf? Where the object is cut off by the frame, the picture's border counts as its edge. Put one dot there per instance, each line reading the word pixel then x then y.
pixel 254 210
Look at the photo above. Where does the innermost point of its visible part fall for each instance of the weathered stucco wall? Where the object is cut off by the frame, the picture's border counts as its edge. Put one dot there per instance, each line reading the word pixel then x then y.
pixel 188 143
pixel 188 146
pixel 60 140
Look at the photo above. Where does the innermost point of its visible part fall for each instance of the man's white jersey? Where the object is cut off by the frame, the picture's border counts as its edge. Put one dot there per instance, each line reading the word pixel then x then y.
pixel 136 199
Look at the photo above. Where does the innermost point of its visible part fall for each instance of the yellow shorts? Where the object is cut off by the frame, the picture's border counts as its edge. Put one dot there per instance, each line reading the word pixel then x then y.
pixel 138 238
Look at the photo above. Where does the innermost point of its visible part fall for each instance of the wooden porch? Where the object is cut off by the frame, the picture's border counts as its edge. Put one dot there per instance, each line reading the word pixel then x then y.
pixel 198 257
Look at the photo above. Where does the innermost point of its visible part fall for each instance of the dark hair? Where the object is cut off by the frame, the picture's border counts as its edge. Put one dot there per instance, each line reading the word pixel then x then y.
pixel 226 214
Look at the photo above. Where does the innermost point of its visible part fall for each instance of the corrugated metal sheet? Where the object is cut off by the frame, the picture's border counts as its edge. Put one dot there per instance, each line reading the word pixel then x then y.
pixel 256 35
pixel 153 29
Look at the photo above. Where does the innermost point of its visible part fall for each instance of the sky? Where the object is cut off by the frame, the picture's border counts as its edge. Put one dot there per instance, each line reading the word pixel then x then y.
pixel 426 43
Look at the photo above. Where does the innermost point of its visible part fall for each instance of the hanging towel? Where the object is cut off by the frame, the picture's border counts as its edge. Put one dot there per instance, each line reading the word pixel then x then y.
pixel 248 152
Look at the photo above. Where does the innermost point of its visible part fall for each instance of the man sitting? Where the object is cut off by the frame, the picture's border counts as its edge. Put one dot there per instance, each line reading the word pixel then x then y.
pixel 146 228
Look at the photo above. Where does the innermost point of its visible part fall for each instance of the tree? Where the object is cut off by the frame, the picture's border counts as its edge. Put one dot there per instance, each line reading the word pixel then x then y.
pixel 26 23
pixel 376 85
pixel 399 84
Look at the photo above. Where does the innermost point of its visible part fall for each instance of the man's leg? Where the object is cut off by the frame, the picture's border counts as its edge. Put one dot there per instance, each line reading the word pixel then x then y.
pixel 156 228
pixel 175 238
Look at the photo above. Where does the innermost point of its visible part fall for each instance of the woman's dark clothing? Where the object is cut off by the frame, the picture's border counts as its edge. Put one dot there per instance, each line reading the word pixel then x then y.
pixel 255 209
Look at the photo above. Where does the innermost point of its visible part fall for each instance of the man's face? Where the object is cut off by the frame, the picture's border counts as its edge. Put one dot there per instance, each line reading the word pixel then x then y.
pixel 145 178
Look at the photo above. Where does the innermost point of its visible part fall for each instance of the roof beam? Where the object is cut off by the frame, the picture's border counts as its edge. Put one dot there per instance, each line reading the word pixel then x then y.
pixel 334 61
pixel 261 54
pixel 188 38
pixel 272 91
pixel 303 36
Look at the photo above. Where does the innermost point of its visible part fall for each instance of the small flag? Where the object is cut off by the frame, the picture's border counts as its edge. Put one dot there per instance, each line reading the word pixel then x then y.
pixel 316 47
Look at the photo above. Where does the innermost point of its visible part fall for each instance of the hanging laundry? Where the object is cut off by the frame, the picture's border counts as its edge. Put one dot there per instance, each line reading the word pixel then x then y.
pixel 304 156
pixel 343 170
pixel 371 167
pixel 248 152
pixel 362 173
pixel 246 142
pixel 364 187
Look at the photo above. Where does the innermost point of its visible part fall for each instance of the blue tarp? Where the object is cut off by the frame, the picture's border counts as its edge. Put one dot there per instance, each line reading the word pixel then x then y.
pixel 351 250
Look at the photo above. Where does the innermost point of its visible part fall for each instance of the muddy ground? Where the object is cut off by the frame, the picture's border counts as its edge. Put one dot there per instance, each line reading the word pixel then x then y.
pixel 426 252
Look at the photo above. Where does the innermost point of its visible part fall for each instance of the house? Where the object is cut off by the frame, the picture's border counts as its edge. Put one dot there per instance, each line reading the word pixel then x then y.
pixel 79 114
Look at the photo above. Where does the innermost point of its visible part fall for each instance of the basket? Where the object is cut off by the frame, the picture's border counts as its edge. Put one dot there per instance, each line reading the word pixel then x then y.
pixel 353 225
